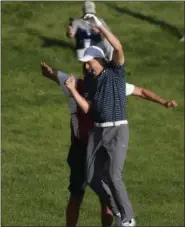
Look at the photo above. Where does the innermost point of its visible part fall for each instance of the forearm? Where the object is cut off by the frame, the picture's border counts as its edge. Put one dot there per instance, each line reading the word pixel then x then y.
pixel 112 39
pixel 149 95
pixel 83 104
pixel 49 73
pixel 70 32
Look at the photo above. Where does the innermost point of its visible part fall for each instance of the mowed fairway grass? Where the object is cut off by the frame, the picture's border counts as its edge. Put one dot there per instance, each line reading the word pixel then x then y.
pixel 35 115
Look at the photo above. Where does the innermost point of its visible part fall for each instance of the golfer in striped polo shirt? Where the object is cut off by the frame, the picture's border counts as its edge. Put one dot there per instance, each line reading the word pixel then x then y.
pixel 80 126
pixel 108 139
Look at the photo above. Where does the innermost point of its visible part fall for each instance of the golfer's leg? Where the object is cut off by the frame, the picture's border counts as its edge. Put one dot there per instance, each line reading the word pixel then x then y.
pixel 117 154
pixel 107 189
pixel 94 176
pixel 95 165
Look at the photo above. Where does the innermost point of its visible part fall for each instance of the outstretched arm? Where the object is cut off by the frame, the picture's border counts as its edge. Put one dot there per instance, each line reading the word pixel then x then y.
pixel 151 96
pixel 49 72
pixel 56 75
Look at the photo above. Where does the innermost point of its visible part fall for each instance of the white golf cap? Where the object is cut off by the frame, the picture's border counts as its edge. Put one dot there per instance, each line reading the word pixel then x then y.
pixel 92 52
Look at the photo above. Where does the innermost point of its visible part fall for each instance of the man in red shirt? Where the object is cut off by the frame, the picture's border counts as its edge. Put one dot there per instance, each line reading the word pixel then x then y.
pixel 80 125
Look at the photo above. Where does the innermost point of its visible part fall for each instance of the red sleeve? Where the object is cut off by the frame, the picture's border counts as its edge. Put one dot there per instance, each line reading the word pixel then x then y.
pixel 84 120
pixel 79 87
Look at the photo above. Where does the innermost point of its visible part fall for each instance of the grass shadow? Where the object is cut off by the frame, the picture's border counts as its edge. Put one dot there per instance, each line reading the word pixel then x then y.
pixel 152 20
pixel 50 42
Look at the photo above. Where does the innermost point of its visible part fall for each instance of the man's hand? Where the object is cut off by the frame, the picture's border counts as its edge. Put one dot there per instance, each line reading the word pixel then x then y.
pixel 46 69
pixel 170 103
pixel 70 83
pixel 70 32
pixel 92 20
pixel 49 72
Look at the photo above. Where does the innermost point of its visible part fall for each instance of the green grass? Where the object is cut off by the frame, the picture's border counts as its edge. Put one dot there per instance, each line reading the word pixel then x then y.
pixel 35 115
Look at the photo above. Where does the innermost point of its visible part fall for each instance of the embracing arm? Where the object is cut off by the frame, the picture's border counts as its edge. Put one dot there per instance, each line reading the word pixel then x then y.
pixel 83 104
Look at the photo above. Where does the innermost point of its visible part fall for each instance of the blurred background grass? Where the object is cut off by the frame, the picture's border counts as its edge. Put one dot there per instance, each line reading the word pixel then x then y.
pixel 35 115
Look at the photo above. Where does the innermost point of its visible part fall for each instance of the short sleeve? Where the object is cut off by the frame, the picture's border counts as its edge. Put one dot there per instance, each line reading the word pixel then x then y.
pixel 129 89
pixel 119 69
pixel 62 78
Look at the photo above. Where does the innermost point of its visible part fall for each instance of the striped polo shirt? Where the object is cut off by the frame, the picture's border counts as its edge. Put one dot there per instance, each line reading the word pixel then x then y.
pixel 81 123
pixel 108 94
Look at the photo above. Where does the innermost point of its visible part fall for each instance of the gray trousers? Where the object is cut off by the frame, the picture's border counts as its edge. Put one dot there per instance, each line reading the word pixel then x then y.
pixel 106 153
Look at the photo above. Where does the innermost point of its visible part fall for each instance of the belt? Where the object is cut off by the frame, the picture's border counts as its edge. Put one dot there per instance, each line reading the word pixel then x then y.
pixel 110 123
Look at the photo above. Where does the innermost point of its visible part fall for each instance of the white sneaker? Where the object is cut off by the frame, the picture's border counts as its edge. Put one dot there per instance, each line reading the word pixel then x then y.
pixel 132 222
